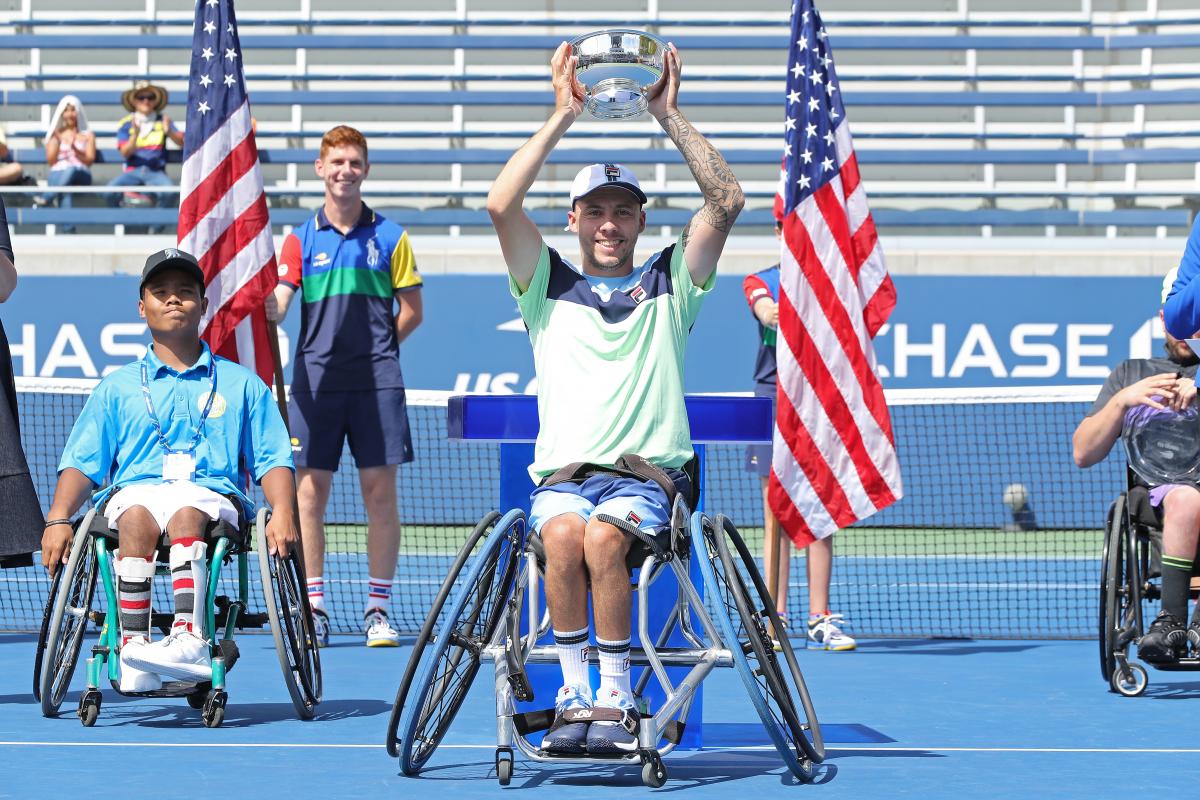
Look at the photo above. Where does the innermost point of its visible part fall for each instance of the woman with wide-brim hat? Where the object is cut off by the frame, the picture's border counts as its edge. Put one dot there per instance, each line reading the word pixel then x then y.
pixel 142 139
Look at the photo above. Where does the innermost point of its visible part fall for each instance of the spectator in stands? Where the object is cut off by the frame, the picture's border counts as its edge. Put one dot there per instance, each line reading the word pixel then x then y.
pixel 70 152
pixel 362 298
pixel 21 520
pixel 142 139
pixel 11 172
pixel 1136 388
pixel 174 435
pixel 608 343
pixel 762 294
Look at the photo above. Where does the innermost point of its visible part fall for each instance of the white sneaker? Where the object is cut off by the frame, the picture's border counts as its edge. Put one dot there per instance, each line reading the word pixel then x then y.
pixel 824 634
pixel 182 655
pixel 132 678
pixel 380 632
pixel 320 624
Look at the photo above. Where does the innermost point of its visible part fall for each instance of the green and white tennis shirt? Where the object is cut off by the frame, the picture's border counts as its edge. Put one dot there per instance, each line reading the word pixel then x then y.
pixel 609 358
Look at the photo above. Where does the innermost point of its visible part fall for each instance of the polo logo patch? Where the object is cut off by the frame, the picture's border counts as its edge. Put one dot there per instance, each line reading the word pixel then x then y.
pixel 321 259
pixel 612 172
pixel 638 294
pixel 373 253
pixel 634 518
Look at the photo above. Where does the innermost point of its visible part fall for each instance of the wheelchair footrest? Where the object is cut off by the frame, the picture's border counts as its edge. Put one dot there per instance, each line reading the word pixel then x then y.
pixel 169 689
pixel 229 651
pixel 533 721
pixel 247 621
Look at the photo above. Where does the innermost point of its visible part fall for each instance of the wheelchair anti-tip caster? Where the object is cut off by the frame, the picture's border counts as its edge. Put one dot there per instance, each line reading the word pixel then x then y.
pixel 504 765
pixel 213 713
pixel 654 774
pixel 89 707
pixel 1131 681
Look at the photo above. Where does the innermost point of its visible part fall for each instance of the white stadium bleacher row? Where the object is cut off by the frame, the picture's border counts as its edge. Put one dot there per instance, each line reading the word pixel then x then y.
pixel 1001 117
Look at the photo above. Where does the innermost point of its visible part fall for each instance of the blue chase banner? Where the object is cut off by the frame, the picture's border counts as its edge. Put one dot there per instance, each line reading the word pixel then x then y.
pixel 946 332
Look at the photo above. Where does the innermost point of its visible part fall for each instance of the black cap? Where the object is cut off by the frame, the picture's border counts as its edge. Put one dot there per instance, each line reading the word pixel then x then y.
pixel 171 258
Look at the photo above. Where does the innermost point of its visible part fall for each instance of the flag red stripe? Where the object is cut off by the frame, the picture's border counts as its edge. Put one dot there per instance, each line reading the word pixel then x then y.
pixel 820 475
pixel 841 325
pixel 823 385
pixel 201 200
pixel 183 583
pixel 878 309
pixel 789 517
pixel 135 605
pixel 862 244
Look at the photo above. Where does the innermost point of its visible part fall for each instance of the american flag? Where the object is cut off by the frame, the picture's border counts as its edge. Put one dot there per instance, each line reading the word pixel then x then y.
pixel 223 218
pixel 834 459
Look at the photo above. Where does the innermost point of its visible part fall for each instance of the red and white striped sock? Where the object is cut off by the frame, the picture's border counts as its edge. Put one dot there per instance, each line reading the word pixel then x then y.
pixel 379 594
pixel 316 593
pixel 189 580
pixel 134 574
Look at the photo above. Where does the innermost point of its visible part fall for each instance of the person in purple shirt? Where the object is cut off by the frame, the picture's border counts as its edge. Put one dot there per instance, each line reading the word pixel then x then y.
pixel 1136 389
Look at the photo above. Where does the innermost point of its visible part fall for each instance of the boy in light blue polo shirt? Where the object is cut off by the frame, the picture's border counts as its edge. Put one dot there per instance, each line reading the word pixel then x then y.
pixel 169 437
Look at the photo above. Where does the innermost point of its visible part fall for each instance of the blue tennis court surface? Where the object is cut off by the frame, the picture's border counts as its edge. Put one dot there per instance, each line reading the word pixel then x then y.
pixel 909 718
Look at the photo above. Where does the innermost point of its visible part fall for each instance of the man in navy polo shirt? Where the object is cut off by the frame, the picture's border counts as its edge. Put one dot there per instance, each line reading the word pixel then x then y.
pixel 170 435
pixel 353 268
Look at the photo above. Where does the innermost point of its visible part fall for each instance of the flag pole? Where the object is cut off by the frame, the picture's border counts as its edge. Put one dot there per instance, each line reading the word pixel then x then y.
pixel 277 366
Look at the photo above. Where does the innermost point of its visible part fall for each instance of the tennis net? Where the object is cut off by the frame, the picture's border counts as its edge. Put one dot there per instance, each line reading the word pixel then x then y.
pixel 951 559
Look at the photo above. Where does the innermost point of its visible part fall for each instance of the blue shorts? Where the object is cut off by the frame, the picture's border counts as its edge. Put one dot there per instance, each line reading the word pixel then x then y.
pixel 375 422
pixel 644 503
pixel 758 456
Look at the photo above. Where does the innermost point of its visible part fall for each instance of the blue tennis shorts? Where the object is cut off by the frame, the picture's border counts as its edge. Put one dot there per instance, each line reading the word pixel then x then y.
pixel 643 503
pixel 375 422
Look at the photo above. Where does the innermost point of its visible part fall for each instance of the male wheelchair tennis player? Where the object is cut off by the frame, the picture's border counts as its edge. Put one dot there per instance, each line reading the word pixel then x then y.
pixel 169 437
pixel 492 588
pixel 1152 527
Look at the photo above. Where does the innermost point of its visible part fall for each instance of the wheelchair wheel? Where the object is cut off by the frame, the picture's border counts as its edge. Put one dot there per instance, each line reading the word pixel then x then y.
pixel 1112 533
pixel 745 614
pixel 428 632
pixel 1122 598
pixel 286 597
pixel 467 625
pixel 65 621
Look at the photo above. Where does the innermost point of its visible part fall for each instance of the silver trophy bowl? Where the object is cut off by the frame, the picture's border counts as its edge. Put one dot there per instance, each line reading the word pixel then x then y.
pixel 615 67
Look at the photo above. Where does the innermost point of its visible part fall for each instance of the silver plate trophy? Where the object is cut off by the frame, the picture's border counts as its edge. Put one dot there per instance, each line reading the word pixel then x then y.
pixel 1163 447
pixel 615 67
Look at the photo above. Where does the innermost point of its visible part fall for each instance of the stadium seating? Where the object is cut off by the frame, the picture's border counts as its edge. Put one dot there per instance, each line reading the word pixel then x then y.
pixel 969 114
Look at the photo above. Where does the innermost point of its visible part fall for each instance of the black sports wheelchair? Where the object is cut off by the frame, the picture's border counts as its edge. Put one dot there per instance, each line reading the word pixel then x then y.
pixel 1129 580
pixel 71 606
pixel 492 588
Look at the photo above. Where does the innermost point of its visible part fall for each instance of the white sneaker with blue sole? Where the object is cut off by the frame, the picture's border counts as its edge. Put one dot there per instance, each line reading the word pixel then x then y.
pixel 615 723
pixel 568 733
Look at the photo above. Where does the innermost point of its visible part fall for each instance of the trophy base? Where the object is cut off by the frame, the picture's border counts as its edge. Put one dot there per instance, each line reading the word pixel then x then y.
pixel 616 98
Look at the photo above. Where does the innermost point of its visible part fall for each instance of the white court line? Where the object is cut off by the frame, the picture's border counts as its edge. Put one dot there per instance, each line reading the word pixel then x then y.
pixel 765 748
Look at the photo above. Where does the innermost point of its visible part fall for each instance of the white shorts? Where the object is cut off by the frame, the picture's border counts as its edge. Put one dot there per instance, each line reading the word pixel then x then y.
pixel 162 500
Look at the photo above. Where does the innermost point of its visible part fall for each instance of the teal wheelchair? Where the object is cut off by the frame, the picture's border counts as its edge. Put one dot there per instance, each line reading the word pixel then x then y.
pixel 71 606
pixel 488 608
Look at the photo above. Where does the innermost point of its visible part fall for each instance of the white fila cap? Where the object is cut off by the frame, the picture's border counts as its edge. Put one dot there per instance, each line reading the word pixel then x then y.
pixel 597 176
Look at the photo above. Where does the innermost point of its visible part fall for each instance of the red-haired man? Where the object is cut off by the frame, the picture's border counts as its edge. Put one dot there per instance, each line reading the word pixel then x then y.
pixel 361 297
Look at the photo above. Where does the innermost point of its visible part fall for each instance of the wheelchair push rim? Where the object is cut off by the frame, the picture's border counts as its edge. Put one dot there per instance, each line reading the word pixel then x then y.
pixel 286 597
pixel 68 608
pixel 427 634
pixel 763 678
pixel 445 678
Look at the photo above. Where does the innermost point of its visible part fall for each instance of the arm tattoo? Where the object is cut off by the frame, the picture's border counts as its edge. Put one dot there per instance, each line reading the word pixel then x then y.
pixel 723 197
